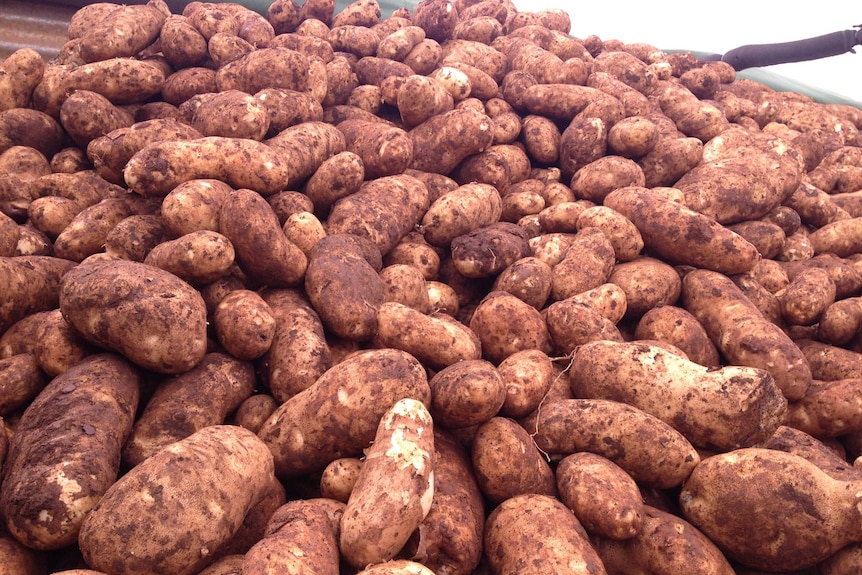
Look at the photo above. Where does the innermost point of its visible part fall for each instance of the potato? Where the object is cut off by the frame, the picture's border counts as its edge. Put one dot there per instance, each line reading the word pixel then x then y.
pixel 828 408
pixel 230 113
pixel 406 285
pixel 203 468
pixel 252 412
pixel 460 212
pixel 840 237
pixel 828 362
pixel 346 410
pixel 21 383
pixel 466 393
pixel 199 257
pixel 135 236
pixel 122 306
pixel 343 285
pixel 517 519
pixel 396 478
pixel 604 498
pixel 337 177
pixel 726 492
pixel 681 235
pixel 648 283
pixel 506 462
pixel 261 249
pixel 666 542
pixel 20 165
pixel 9 235
pixel 123 32
pixel 741 333
pixel 396 567
pixel 18 558
pixel 581 143
pixel 486 251
pixel 529 279
pixel 20 72
pixel 34 129
pixel 338 478
pixel 663 384
pixel 443 141
pixel 504 325
pixel 541 138
pixel 87 233
pixel 194 205
pixel 669 159
pixel 586 263
pixel 216 157
pixel 205 395
pixel 301 534
pixel 618 432
pixel 678 327
pixel 58 346
pixel 597 179
pixel 30 285
pixel 90 409
pixel 383 210
pixel 385 150
pixel 187 83
pixel 436 339
pixel 182 43
pixel 624 236
pixel 500 165
pixel 573 322
pixel 807 297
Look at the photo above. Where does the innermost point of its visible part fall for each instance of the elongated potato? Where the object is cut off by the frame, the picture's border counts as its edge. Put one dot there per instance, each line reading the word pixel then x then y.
pixel 206 483
pixel 395 487
pixel 241 163
pixel 650 450
pixel 244 324
pixel 89 411
pixel 122 306
pixel 443 141
pixel 338 415
pixel 461 211
pixel 31 285
pixel 20 72
pixel 700 402
pixel 205 394
pixel 549 538
pixel 199 257
pixel 741 333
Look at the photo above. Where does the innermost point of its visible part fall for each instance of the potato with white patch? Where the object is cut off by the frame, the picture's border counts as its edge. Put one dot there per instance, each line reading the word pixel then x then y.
pixel 395 487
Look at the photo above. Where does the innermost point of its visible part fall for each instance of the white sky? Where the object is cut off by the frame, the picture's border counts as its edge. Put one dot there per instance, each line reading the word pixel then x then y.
pixel 719 26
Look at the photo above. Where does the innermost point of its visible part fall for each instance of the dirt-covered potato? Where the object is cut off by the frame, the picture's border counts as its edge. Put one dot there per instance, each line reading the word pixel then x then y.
pixel 88 410
pixel 199 257
pixel 20 72
pixel 587 262
pixel 149 315
pixel 648 283
pixel 31 286
pixel 504 324
pixel 244 324
pixel 338 478
pixel 194 205
pixel 678 327
pixel 604 498
pixel 466 393
pixel 667 386
pixel 21 382
pixel 461 211
pixel 232 470
pixel 205 394
pixel 346 410
pixel 443 141
pixel 337 177
pixel 486 251
pixel 533 520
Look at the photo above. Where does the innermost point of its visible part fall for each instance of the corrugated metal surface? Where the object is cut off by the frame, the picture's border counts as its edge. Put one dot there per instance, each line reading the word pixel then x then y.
pixel 38 25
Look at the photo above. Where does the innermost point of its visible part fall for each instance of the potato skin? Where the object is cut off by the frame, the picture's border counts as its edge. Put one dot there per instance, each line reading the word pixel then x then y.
pixel 396 479
pixel 88 410
pixel 461 211
pixel 21 382
pixel 505 325
pixel 346 410
pixel 205 395
pixel 518 531
pixel 466 393
pixel 680 328
pixel 222 471
pixel 604 498
pixel 121 306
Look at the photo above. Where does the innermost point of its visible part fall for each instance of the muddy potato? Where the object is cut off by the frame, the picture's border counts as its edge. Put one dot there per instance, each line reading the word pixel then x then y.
pixel 87 233
pixel 133 237
pixel 443 141
pixel 205 467
pixel 244 324
pixel 90 409
pixel 20 72
pixel 262 250
pixel 610 429
pixel 648 283
pixel 486 251
pixel 199 257
pixel 528 279
pixel 194 205
pixel 668 386
pixel 535 520
pixel 541 138
pixel 182 44
pixel 87 115
pixel 385 150
pixel 304 230
pixel 121 305
pixel 573 322
pixel 726 492
pixel 239 162
pixel 597 179
pixel 188 82
pixel 337 177
pixel 406 285
pixel 256 409
pixel 20 166
pixel 34 129
pixel 623 234
pixel 435 339
pixel 30 285
pixel 396 478
pixel 421 97
pixel 22 380
pixel 338 478
pixel 604 498
pixel 58 346
pixel 587 263
pixel 828 408
pixel 206 394
pixel 680 328
pixel 466 393
pixel 507 463
pixel 383 210
pixel 741 333
pixel 413 250
pixel 807 297
pixel 504 324
pixel 680 235
pixel 461 211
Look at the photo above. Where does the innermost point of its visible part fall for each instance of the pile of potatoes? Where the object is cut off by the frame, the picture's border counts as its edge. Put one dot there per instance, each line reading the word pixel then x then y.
pixel 447 292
